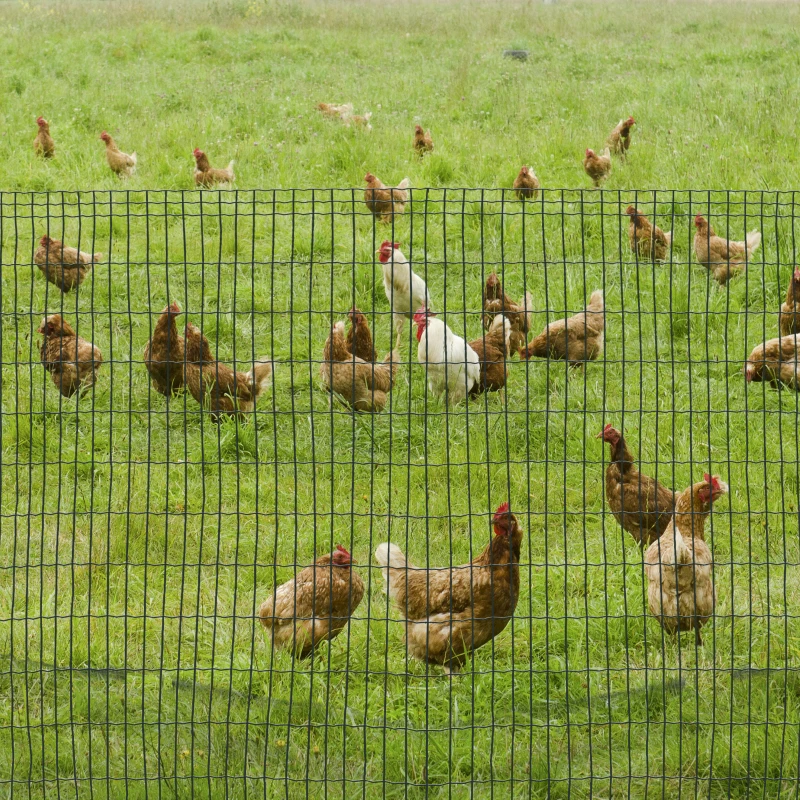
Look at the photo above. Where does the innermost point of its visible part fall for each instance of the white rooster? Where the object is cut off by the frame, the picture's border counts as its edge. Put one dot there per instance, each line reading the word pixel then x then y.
pixel 405 290
pixel 453 367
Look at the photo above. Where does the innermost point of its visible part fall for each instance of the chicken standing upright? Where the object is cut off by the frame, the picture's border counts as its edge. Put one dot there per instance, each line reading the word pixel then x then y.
pixel 215 385
pixel 315 606
pixel 777 362
pixel 423 143
pixel 405 290
pixel 641 505
pixel 383 201
pixel 43 144
pixel 122 164
pixel 723 259
pixel 451 612
pixel 65 267
pixel 598 168
pixel 647 240
pixel 790 310
pixel 165 353
pixel 526 184
pixel 520 315
pixel 71 361
pixel 679 566
pixel 493 353
pixel 452 367
pixel 359 337
pixel 619 139
pixel 360 384
pixel 205 175
pixel 576 339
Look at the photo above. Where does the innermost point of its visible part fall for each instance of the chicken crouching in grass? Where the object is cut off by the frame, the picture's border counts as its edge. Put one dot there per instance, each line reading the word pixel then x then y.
pixel 315 606
pixel 206 176
pixel 776 362
pixel 64 267
pixel 72 362
pixel 451 612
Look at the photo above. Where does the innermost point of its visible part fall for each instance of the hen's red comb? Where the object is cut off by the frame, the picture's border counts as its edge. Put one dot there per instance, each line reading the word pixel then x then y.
pixel 340 549
pixel 713 480
pixel 502 509
pixel 796 275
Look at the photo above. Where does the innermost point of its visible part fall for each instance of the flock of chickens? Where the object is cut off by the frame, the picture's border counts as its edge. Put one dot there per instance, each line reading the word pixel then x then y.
pixel 448 612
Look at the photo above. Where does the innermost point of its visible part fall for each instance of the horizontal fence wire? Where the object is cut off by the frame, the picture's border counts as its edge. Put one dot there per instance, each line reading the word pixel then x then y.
pixel 140 534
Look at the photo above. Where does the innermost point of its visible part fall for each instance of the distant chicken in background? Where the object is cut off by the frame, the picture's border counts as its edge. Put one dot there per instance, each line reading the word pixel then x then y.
pixel 577 339
pixel 383 201
pixel 452 367
pixel 526 184
pixel 336 110
pixel 215 385
pixel 360 121
pixel 164 354
pixel 520 315
pixel 122 164
pixel 43 144
pixel 723 259
pixel 64 267
pixel 71 361
pixel 206 175
pixel 423 143
pixel 641 505
pixel 359 337
pixel 493 355
pixel 405 290
pixel 361 385
pixel 598 168
pixel 451 612
pixel 790 310
pixel 775 362
pixel 647 240
pixel 315 606
pixel 619 139
pixel 679 567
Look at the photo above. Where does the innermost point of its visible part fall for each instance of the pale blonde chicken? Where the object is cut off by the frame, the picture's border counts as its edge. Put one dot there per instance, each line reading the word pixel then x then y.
pixel 336 110
pixel 423 143
pixel 723 259
pixel 619 140
pixel 64 267
pixel 520 315
pixel 71 361
pixel 451 612
pixel 576 339
pixel 526 184
pixel 775 362
pixel 122 164
pixel 315 606
pixel 205 175
pixel 647 240
pixel 359 384
pixel 598 168
pixel 165 353
pixel 360 121
pixel 790 310
pixel 43 144
pixel 383 201
pixel 679 566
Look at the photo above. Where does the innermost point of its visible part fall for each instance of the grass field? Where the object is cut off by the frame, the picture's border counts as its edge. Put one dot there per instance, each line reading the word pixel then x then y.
pixel 138 537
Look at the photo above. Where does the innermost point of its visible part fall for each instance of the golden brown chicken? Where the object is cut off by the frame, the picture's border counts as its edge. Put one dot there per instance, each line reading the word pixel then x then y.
pixel 206 175
pixel 451 612
pixel 526 184
pixel 315 606
pixel 598 168
pixel 384 202
pixel 122 164
pixel 790 310
pixel 359 337
pixel 165 353
pixel 65 267
pixel 576 339
pixel 493 352
pixel 43 144
pixel 336 110
pixel 359 384
pixel 775 362
pixel 71 361
pixel 520 315
pixel 360 121
pixel 423 143
pixel 723 259
pixel 641 505
pixel 679 567
pixel 647 240
pixel 215 385
pixel 619 139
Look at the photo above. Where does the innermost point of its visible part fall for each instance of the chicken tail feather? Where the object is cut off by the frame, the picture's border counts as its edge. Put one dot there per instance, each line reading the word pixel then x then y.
pixel 259 377
pixel 230 169
pixel 404 184
pixel 668 237
pixel 753 240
